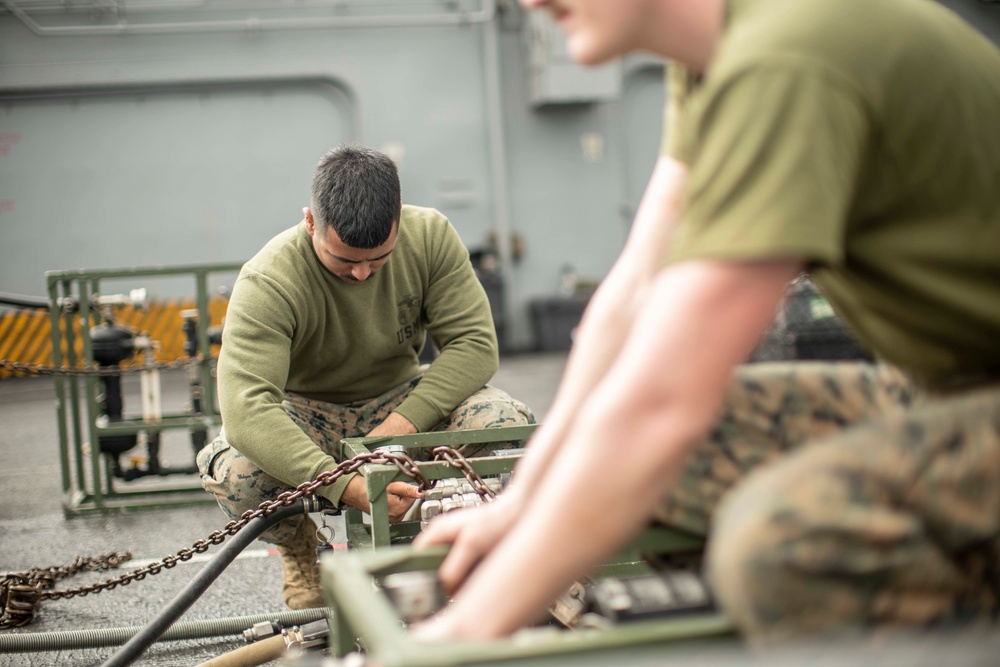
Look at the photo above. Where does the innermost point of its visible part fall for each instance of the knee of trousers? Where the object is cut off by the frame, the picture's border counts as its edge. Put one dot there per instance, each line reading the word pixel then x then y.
pixel 749 559
pixel 734 550
pixel 488 408
pixel 239 485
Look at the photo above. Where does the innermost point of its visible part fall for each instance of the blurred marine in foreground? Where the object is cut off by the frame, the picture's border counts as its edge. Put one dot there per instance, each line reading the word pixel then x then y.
pixel 857 140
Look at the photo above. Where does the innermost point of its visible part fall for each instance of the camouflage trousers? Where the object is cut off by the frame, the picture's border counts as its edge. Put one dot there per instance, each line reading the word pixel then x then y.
pixel 239 485
pixel 840 498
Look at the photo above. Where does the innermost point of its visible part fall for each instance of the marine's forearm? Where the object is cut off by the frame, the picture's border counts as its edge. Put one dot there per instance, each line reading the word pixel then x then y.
pixel 461 369
pixel 611 314
pixel 629 440
pixel 276 445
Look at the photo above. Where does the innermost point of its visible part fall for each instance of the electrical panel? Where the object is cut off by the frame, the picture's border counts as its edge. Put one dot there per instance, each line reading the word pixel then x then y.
pixel 554 77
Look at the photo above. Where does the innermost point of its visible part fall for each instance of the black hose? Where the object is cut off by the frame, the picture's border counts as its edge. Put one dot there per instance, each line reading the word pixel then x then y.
pixel 23 301
pixel 190 594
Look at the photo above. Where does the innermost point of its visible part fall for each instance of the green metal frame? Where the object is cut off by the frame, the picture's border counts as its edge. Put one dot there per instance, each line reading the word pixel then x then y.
pixel 377 477
pixel 96 492
pixel 365 619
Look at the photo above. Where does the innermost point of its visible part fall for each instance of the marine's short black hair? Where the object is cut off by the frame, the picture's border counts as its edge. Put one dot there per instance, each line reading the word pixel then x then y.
pixel 355 191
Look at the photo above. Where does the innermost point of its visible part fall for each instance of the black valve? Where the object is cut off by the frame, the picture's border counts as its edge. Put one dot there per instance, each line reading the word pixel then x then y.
pixel 112 343
pixel 190 329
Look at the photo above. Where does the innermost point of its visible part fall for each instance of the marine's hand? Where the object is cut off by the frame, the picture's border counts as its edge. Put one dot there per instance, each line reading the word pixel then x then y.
pixel 400 495
pixel 440 627
pixel 472 532
pixel 394 424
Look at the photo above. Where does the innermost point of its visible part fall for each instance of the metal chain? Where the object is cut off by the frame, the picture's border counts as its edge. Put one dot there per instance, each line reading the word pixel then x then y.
pixel 453 458
pixel 40 369
pixel 47 576
pixel 20 598
pixel 21 592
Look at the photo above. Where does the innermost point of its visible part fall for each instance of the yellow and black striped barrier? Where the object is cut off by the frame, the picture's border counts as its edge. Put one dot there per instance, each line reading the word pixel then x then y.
pixel 26 334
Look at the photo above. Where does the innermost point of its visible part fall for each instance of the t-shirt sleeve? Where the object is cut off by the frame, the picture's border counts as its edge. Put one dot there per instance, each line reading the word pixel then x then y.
pixel 775 155
pixel 679 84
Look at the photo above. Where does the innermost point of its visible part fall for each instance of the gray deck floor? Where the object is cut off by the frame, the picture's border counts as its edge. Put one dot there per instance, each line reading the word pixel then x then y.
pixel 35 532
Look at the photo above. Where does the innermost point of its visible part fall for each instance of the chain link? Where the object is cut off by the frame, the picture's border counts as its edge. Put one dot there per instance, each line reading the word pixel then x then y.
pixel 40 369
pixel 21 592
pixel 453 458
pixel 21 595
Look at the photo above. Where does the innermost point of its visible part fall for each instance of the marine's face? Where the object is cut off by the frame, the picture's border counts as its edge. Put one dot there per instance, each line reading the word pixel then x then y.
pixel 352 265
pixel 596 30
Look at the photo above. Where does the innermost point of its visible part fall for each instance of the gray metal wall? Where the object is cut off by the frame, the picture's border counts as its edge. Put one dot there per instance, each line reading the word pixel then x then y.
pixel 185 131
pixel 983 14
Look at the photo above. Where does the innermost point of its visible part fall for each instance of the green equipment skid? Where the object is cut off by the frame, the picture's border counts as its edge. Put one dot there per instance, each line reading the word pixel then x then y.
pixel 88 484
pixel 366 620
pixel 418 446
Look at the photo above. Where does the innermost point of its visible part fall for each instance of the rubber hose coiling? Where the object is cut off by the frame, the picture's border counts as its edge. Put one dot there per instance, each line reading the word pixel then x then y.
pixel 33 642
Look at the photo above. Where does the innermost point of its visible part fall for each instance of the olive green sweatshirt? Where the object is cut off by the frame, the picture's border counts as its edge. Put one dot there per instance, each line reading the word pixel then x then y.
pixel 294 326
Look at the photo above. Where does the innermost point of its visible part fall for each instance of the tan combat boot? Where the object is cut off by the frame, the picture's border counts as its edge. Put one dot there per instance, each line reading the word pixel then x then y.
pixel 301 588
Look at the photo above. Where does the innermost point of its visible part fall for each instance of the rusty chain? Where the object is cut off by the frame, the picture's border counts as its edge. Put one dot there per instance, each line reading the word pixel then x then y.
pixel 22 593
pixel 41 369
pixel 453 458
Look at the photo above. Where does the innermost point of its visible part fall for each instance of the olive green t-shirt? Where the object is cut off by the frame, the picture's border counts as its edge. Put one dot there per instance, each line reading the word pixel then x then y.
pixel 862 136
pixel 292 325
